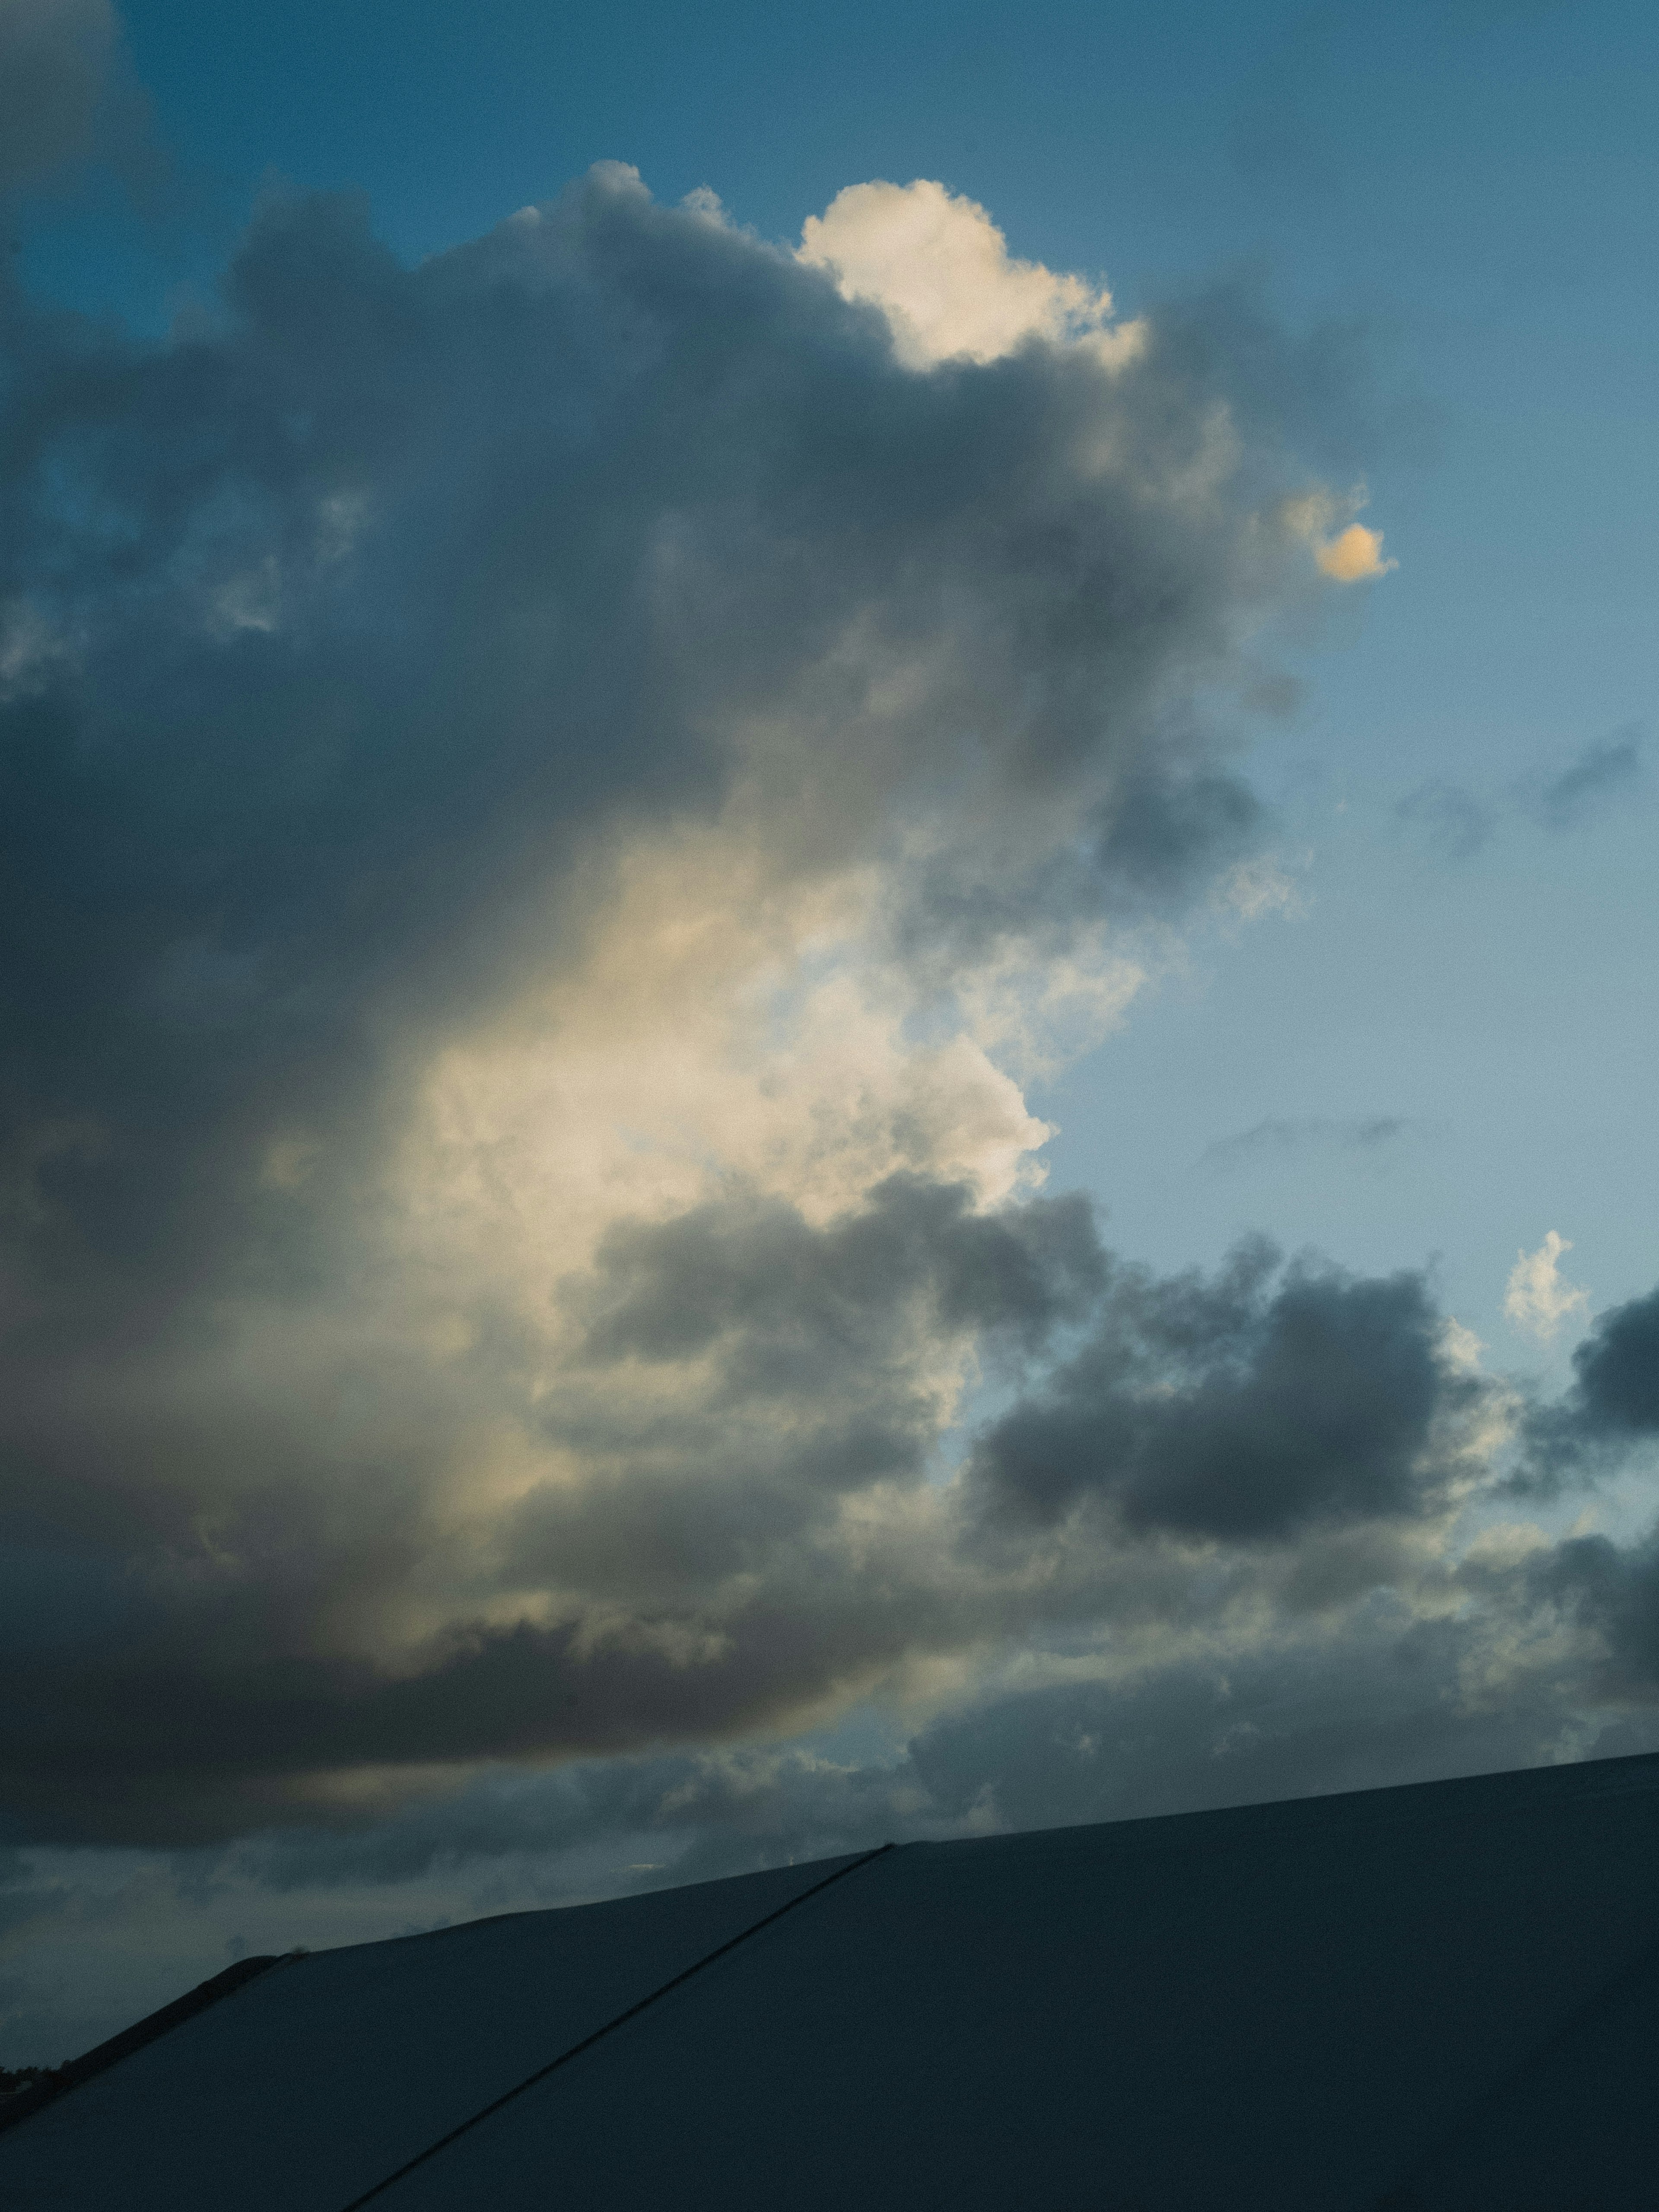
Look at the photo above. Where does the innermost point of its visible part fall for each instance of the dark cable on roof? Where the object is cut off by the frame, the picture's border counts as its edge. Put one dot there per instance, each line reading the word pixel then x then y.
pixel 611 2026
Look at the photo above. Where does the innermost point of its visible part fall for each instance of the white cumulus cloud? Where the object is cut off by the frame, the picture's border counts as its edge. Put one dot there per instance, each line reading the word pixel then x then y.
pixel 938 268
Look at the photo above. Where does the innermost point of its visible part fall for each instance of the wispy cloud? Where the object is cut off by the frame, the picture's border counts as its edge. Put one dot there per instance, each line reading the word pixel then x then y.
pixel 1537 1298
pixel 1456 823
pixel 1277 1139
pixel 1451 819
pixel 1597 776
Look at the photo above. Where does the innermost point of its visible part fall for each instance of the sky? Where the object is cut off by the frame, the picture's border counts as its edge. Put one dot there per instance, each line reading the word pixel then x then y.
pixel 829 965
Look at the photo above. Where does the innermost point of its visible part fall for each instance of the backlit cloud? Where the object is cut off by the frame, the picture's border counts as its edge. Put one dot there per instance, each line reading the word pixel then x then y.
pixel 939 270
pixel 551 796
pixel 1348 553
pixel 553 802
pixel 1355 555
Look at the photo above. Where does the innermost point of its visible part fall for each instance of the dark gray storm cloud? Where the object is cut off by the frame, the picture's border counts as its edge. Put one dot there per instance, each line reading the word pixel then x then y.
pixel 720 1587
pixel 1618 1370
pixel 345 637
pixel 1611 1408
pixel 756 1273
pixel 1611 1591
pixel 181 1703
pixel 364 648
pixel 1376 1707
pixel 1263 1412
pixel 1242 1406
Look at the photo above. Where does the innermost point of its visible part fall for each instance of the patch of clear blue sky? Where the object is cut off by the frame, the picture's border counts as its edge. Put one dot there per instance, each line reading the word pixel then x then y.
pixel 1472 186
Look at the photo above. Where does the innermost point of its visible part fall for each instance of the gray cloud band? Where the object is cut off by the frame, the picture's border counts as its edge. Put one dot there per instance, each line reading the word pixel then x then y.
pixel 1246 1420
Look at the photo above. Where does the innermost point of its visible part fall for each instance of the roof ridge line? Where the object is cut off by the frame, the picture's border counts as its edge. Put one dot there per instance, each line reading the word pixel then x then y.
pixel 102 2055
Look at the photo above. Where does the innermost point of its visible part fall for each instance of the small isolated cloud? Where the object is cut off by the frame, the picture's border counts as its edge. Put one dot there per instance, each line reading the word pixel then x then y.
pixel 1277 1138
pixel 1354 555
pixel 1535 1298
pixel 1598 774
pixel 1343 550
pixel 939 270
pixel 1452 820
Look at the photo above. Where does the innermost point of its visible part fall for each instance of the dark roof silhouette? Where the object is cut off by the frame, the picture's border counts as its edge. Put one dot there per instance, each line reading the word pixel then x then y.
pixel 1440 1996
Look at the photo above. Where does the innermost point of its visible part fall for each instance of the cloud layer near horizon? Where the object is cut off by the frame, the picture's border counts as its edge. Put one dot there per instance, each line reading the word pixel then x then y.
pixel 551 801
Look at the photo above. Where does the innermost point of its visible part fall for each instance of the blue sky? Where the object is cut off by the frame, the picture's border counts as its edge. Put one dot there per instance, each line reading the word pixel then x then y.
pixel 582 787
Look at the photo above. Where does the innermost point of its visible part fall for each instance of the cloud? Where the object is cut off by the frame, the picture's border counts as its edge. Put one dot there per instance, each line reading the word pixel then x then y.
pixel 1347 552
pixel 1243 1407
pixel 1611 1411
pixel 1457 823
pixel 1535 1298
pixel 1617 1369
pixel 548 798
pixel 758 1271
pixel 1378 1707
pixel 939 269
pixel 1537 1655
pixel 1260 886
pixel 1611 1592
pixel 1354 556
pixel 1279 1139
pixel 1596 776
pixel 728 1512
pixel 550 801
pixel 1164 837
pixel 54 62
